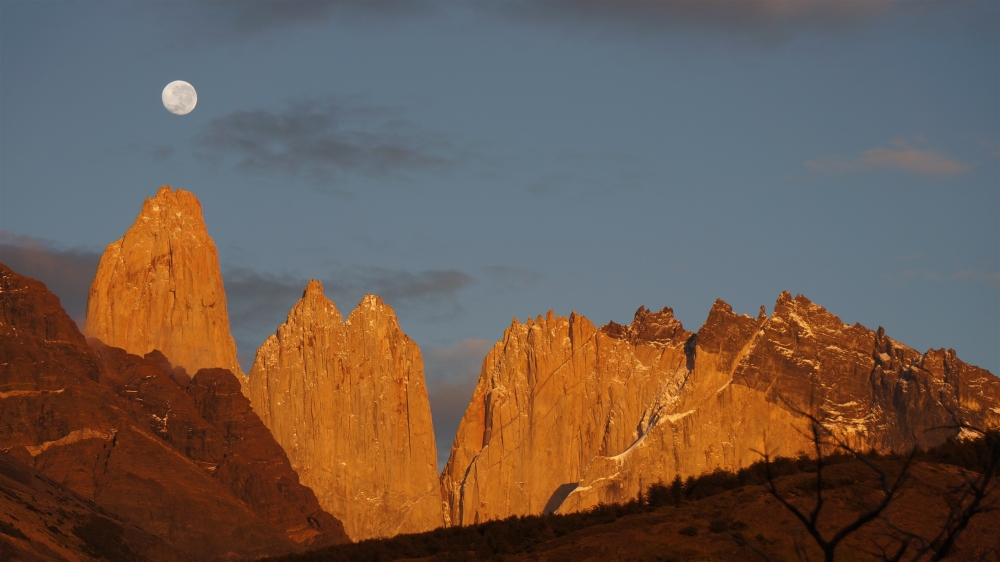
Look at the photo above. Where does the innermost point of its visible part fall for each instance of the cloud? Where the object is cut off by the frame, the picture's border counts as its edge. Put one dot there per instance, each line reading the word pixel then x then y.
pixel 200 23
pixel 551 184
pixel 423 287
pixel 259 302
pixel 264 15
pixel 608 175
pixel 324 141
pixel 901 155
pixel 759 21
pixel 157 152
pixel 452 374
pixel 983 273
pixel 990 278
pixel 509 278
pixel 67 272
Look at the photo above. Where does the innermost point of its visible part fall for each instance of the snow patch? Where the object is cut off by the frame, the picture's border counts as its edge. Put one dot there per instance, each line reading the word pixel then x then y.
pixel 672 418
pixel 968 435
pixel 13 393
pixel 72 437
pixel 801 323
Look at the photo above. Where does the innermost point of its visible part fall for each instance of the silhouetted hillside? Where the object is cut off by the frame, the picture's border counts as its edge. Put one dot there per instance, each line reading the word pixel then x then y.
pixel 716 516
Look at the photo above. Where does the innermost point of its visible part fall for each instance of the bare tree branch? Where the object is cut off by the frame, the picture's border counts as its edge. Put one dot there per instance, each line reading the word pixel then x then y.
pixel 823 437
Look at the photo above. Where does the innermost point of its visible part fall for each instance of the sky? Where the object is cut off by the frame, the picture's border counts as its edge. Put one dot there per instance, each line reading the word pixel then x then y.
pixel 471 162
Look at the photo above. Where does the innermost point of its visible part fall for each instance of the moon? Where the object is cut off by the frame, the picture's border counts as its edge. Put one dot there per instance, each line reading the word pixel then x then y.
pixel 179 97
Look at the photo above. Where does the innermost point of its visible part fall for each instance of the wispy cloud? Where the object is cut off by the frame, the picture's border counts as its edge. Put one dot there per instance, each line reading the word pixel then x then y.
pixel 610 178
pixel 452 373
pixel 984 273
pixel 157 152
pixel 509 278
pixel 199 23
pixel 757 21
pixel 902 155
pixel 263 15
pixel 325 141
pixel 990 278
pixel 418 288
pixel 67 272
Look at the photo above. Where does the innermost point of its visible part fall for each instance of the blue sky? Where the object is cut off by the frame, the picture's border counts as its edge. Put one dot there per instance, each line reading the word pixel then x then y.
pixel 473 162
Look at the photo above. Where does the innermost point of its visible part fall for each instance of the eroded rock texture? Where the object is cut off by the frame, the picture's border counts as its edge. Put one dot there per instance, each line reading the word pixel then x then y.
pixel 566 416
pixel 184 459
pixel 159 287
pixel 347 401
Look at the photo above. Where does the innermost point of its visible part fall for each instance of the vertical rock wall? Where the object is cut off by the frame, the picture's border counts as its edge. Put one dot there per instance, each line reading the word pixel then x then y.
pixel 348 403
pixel 565 416
pixel 553 395
pixel 159 287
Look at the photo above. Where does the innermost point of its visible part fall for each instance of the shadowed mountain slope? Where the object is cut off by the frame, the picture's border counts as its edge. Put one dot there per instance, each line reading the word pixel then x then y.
pixel 43 521
pixel 184 459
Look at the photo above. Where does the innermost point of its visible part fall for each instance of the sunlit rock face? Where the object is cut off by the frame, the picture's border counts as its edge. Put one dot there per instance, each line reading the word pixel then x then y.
pixel 566 416
pixel 159 287
pixel 348 403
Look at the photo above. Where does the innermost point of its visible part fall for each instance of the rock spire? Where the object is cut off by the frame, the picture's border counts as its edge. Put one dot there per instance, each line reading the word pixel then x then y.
pixel 159 287
pixel 347 401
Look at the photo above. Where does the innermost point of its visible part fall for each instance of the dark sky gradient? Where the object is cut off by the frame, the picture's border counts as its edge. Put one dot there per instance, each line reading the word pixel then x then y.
pixel 470 162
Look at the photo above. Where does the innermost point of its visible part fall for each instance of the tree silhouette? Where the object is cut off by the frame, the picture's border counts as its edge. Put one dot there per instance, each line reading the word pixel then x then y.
pixel 825 440
pixel 968 499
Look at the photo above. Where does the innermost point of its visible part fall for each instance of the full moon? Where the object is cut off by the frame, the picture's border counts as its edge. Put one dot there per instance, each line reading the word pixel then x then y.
pixel 179 97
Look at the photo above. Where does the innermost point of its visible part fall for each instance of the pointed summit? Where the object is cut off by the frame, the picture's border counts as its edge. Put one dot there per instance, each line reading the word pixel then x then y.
pixel 159 287
pixel 314 288
pixel 348 403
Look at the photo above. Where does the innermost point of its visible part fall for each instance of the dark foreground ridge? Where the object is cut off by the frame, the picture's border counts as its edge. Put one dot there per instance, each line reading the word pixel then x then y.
pixel 182 458
pixel 43 520
pixel 720 516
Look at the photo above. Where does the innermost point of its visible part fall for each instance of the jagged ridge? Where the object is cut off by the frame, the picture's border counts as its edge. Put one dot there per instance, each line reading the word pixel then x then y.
pixel 566 416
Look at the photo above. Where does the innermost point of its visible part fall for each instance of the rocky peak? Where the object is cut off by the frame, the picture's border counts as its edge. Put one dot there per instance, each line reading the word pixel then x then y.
pixel 159 287
pixel 725 334
pixel 346 400
pixel 371 307
pixel 889 354
pixel 650 328
pixel 173 209
pixel 314 288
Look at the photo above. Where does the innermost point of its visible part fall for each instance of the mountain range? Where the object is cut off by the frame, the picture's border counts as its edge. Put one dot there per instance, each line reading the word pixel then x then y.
pixel 146 424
